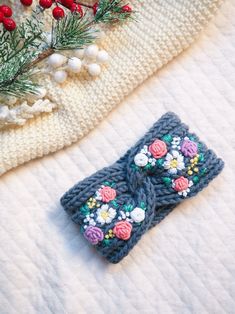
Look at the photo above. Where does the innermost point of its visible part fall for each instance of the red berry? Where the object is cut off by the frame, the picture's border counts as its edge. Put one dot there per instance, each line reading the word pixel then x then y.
pixel 95 7
pixel 126 8
pixel 58 13
pixel 6 10
pixel 9 24
pixel 67 3
pixel 45 4
pixel 76 8
pixel 26 3
pixel 1 17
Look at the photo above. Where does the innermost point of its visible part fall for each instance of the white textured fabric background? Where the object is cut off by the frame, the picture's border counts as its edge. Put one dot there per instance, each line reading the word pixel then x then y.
pixel 184 265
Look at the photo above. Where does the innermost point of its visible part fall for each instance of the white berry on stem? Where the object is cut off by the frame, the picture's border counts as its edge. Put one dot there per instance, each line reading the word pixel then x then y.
pixel 60 76
pixel 56 60
pixel 74 65
pixel 102 56
pixel 94 69
pixel 91 51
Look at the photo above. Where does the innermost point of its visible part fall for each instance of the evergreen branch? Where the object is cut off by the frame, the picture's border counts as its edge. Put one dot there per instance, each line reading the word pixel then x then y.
pixel 111 12
pixel 24 48
pixel 71 32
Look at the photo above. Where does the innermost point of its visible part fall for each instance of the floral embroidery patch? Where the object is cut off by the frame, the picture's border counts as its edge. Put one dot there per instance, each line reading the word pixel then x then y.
pixel 105 219
pixel 180 158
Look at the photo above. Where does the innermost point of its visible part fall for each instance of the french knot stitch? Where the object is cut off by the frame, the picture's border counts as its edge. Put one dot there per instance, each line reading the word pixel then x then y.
pixel 118 204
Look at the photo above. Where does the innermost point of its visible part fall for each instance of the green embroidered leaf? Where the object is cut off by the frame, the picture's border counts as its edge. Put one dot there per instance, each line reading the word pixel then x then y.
pixel 201 157
pixel 142 205
pixel 160 162
pixel 195 179
pixel 128 208
pixel 167 138
pixel 85 210
pixel 167 181
pixel 191 138
pixel 107 183
pixel 203 171
pixel 133 166
pixel 148 166
pixel 106 242
pixel 114 203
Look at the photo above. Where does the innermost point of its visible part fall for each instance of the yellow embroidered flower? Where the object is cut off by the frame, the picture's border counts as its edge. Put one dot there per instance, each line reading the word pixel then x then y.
pixel 193 167
pixel 91 203
pixel 110 234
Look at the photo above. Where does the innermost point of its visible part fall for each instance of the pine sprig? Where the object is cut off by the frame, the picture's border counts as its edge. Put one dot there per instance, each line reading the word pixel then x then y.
pixel 71 32
pixel 111 12
pixel 17 50
pixel 24 48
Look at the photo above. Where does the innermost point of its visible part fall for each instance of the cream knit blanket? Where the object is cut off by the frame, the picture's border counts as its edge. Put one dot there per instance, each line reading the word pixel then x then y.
pixel 165 28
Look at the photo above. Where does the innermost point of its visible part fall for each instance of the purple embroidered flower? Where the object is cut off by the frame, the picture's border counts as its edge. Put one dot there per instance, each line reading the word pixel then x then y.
pixel 94 235
pixel 189 148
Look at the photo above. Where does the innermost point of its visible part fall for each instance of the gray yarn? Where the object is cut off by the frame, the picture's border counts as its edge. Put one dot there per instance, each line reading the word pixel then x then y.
pixel 134 187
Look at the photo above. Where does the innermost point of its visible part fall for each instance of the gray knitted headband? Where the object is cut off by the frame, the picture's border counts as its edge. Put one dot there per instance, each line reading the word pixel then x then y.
pixel 118 204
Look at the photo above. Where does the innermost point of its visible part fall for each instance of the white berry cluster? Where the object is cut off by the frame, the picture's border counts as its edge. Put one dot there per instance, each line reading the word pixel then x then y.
pixel 90 58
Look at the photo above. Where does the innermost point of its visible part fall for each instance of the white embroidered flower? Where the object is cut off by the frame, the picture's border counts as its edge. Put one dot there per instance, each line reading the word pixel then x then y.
pixel 92 222
pixel 89 220
pixel 174 162
pixel 137 214
pixel 98 196
pixel 141 160
pixel 105 214
pixel 144 150
pixel 176 142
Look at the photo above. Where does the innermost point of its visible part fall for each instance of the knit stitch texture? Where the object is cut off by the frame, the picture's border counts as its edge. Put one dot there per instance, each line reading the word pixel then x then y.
pixel 118 204
pixel 164 30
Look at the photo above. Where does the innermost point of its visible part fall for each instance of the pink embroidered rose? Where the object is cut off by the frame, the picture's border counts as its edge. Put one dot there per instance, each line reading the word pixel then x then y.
pixel 94 235
pixel 181 184
pixel 122 230
pixel 107 194
pixel 189 148
pixel 158 149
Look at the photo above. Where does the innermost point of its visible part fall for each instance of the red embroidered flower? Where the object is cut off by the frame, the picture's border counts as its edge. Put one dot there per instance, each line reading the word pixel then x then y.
pixel 122 230
pixel 181 184
pixel 158 149
pixel 107 194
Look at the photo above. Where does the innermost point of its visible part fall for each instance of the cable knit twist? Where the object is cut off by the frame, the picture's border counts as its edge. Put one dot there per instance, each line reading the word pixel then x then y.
pixel 118 204
pixel 164 30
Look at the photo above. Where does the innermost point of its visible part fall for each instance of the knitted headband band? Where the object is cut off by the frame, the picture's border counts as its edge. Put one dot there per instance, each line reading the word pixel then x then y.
pixel 118 204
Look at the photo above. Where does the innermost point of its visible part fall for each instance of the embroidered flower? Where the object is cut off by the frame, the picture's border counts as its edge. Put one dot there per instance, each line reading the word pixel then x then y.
pixel 176 142
pixel 91 203
pixel 109 234
pixel 122 230
pixel 144 150
pixel 158 149
pixel 174 162
pixel 105 214
pixel 141 160
pixel 94 235
pixel 138 214
pixel 89 220
pixel 106 194
pixel 189 148
pixel 182 185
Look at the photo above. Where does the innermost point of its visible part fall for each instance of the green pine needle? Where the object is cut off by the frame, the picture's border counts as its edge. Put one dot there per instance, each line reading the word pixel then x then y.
pixel 72 32
pixel 111 12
